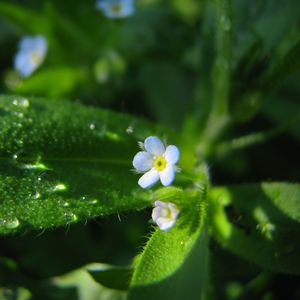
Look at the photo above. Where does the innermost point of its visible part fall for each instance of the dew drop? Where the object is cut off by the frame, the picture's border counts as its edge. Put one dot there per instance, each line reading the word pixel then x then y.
pixel 66 204
pixel 93 201
pixel 225 23
pixel 59 187
pixel 25 102
pixel 70 217
pixel 113 136
pixel 47 176
pixel 36 166
pixel 92 126
pixel 12 223
pixel 37 195
pixel 22 102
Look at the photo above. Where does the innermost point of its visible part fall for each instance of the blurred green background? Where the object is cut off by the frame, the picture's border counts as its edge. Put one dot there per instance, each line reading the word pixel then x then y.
pixel 158 64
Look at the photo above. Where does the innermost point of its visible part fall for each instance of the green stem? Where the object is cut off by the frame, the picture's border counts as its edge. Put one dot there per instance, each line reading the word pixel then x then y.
pixel 219 118
pixel 221 70
pixel 255 138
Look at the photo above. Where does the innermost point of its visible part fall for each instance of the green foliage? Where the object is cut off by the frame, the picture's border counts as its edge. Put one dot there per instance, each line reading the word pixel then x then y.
pixel 57 81
pixel 20 16
pixel 223 76
pixel 113 277
pixel 260 222
pixel 175 261
pixel 73 164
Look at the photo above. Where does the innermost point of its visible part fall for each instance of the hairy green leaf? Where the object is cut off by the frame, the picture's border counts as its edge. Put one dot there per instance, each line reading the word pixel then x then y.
pixel 63 162
pixel 260 222
pixel 175 261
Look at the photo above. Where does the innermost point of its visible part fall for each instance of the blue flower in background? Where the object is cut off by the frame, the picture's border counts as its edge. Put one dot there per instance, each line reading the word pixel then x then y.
pixel 31 54
pixel 116 8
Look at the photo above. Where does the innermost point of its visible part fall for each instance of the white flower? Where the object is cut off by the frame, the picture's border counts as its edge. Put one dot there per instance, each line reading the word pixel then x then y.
pixel 165 214
pixel 157 162
pixel 31 54
pixel 116 8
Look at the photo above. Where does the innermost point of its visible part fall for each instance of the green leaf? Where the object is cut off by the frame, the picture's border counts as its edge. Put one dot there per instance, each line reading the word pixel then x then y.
pixel 260 222
pixel 52 82
pixel 16 293
pixel 26 19
pixel 174 262
pixel 62 162
pixel 113 277
pixel 165 88
pixel 78 284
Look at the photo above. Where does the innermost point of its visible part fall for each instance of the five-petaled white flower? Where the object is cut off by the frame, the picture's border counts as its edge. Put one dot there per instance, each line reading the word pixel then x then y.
pixel 31 54
pixel 164 214
pixel 116 8
pixel 157 162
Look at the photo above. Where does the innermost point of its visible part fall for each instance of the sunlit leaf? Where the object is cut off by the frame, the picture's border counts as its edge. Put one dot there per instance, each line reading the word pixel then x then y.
pixel 260 222
pixel 175 261
pixel 62 162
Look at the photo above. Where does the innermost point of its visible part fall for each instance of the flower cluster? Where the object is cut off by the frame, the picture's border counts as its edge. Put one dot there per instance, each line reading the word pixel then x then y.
pixel 116 9
pixel 158 162
pixel 33 49
pixel 31 54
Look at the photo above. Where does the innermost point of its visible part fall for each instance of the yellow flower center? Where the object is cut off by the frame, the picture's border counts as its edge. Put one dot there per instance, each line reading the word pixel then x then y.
pixel 160 163
pixel 167 213
pixel 36 57
pixel 116 8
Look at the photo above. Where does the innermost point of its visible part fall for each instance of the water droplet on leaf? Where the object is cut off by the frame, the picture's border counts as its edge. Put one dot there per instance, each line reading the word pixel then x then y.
pixel 12 223
pixel 37 195
pixel 70 217
pixel 59 187
pixel 93 201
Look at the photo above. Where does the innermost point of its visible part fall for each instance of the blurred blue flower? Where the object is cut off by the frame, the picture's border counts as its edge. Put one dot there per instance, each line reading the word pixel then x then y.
pixel 116 8
pixel 31 54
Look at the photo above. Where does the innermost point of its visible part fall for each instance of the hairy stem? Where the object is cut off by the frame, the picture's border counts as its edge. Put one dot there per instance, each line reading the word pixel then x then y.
pixel 218 119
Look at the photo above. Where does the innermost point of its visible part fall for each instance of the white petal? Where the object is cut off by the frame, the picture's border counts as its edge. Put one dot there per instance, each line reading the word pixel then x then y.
pixel 174 210
pixel 167 175
pixel 142 161
pixel 154 146
pixel 165 224
pixel 172 154
pixel 155 213
pixel 160 210
pixel 148 179
pixel 160 203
